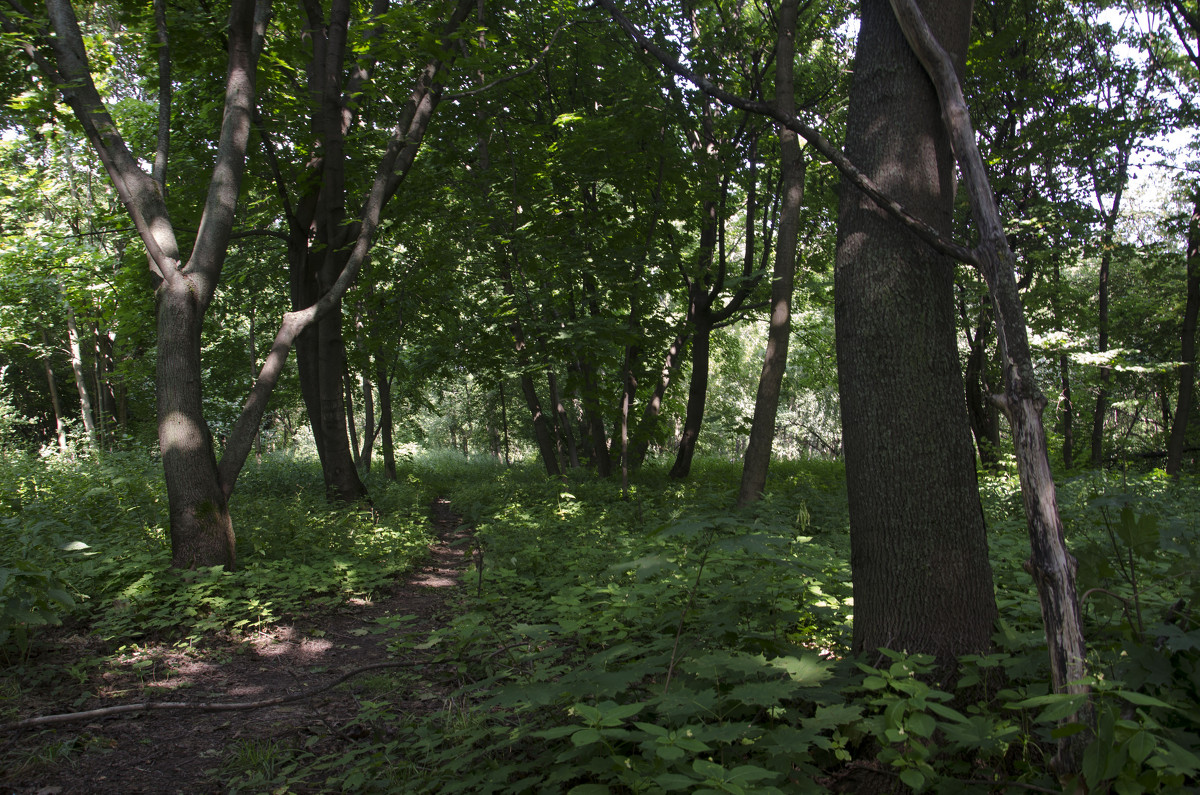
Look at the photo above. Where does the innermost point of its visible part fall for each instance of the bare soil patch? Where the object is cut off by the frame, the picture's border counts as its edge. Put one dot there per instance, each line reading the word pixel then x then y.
pixel 175 751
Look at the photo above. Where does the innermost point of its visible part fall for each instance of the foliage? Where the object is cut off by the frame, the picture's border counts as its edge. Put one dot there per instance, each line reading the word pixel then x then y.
pixel 87 544
pixel 664 644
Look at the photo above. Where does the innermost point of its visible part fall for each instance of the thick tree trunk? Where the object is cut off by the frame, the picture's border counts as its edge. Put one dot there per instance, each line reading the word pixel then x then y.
pixel 201 529
pixel 1187 347
pixel 342 483
pixel 922 580
pixel 770 381
pixel 1050 563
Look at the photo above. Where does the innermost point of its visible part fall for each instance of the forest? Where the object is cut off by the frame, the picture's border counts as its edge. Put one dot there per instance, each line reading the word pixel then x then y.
pixel 720 396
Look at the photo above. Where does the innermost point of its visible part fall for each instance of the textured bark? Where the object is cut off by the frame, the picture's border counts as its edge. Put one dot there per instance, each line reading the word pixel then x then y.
pixel 770 381
pixel 1187 348
pixel 922 580
pixel 1050 563
pixel 201 528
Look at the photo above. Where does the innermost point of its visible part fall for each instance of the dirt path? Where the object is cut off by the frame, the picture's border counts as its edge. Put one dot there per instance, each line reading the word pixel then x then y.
pixel 171 752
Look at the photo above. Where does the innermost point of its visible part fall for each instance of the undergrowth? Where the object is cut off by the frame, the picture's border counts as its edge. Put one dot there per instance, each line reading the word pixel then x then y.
pixel 657 643
pixel 88 545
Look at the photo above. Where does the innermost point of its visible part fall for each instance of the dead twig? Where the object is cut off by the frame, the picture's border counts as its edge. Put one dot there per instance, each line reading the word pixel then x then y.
pixel 147 706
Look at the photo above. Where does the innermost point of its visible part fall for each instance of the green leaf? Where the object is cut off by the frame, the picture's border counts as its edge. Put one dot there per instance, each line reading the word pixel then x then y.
pixel 586 736
pixel 913 778
pixel 1141 699
pixel 921 724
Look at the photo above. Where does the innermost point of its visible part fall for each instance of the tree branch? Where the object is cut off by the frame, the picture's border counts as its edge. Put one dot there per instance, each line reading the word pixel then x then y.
pixel 830 152
pixel 200 706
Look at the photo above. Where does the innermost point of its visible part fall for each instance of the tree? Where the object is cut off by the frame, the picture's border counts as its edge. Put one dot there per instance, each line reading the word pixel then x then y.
pixel 766 403
pixel 198 487
pixel 922 580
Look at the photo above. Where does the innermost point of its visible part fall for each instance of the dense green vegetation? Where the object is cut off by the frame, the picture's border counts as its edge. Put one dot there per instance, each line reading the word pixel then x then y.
pixel 660 642
pixel 813 421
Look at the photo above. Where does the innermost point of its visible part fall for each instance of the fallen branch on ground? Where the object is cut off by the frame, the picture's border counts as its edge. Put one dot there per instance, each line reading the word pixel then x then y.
pixel 146 706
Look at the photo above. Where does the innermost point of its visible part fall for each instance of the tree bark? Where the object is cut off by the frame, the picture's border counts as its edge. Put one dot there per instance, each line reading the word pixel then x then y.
pixel 1107 239
pixel 385 420
pixel 922 580
pixel 563 421
pixel 85 401
pixel 60 428
pixel 653 410
pixel 1050 564
pixel 369 429
pixel 770 381
pixel 1187 348
pixel 697 396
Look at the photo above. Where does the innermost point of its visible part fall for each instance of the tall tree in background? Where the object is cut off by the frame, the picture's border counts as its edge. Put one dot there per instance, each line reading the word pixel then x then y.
pixel 766 403
pixel 922 580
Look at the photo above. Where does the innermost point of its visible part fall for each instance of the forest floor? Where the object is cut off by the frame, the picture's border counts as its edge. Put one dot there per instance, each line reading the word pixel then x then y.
pixel 185 751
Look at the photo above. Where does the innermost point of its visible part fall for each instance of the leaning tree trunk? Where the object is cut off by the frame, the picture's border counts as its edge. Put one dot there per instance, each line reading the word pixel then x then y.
pixel 653 409
pixel 697 394
pixel 921 576
pixel 1187 347
pixel 1050 563
pixel 770 382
